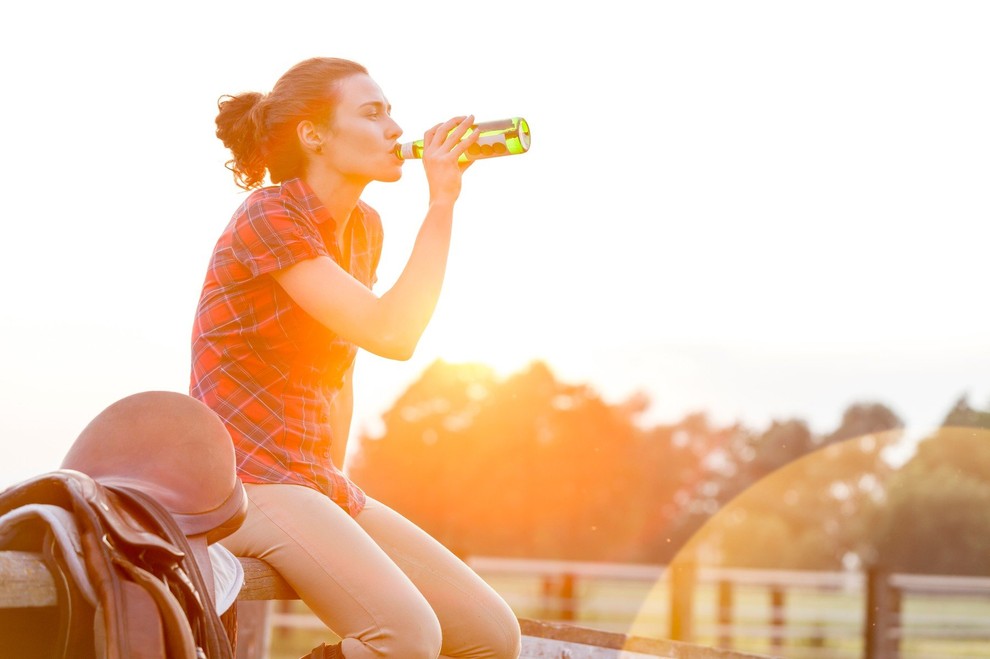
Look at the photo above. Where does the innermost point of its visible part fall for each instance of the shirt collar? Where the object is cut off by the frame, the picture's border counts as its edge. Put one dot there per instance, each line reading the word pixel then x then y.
pixel 298 190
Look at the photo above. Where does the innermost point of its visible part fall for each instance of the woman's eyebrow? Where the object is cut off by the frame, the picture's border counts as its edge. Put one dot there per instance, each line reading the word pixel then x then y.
pixel 378 104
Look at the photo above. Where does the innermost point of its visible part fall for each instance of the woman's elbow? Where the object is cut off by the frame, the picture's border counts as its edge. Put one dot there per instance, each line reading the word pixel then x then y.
pixel 399 348
pixel 405 355
pixel 401 354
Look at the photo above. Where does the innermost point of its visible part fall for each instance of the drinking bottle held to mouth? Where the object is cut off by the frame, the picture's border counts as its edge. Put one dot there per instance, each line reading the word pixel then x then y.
pixel 503 137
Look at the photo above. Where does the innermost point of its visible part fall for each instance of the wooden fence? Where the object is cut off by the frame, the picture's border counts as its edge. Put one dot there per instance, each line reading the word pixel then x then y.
pixel 682 608
pixel 26 583
pixel 797 614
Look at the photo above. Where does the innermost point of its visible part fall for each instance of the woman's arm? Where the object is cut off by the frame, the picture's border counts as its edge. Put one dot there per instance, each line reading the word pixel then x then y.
pixel 391 325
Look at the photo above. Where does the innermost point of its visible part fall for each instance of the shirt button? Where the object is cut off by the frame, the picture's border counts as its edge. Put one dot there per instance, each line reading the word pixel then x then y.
pixel 326 453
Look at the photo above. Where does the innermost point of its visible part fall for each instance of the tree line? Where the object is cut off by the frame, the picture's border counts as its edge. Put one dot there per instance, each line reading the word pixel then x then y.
pixel 529 466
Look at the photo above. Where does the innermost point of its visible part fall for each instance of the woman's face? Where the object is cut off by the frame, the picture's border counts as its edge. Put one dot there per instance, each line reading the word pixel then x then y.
pixel 362 136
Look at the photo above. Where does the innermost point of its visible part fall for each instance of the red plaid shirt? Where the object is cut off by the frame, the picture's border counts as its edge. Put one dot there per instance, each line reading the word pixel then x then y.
pixel 269 369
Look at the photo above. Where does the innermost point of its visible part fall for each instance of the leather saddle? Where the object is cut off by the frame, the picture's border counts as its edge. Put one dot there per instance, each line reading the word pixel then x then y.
pixel 126 584
pixel 174 449
pixel 124 526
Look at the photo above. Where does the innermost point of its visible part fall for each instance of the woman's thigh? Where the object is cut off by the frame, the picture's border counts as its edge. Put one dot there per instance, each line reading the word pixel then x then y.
pixel 475 620
pixel 338 570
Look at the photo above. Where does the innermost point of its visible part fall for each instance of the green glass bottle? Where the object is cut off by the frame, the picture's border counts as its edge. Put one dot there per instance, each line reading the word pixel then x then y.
pixel 504 137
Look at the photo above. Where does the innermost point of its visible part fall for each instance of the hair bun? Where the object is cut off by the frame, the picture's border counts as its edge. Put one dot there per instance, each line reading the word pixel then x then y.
pixel 240 126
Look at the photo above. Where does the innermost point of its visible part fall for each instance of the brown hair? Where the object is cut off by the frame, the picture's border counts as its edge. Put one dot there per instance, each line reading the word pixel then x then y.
pixel 260 130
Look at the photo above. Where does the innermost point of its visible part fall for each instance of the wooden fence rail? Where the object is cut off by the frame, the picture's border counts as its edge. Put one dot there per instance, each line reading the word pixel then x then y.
pixel 883 621
pixel 871 621
pixel 26 582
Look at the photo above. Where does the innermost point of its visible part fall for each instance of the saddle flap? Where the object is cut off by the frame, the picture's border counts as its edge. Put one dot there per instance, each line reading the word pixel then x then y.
pixel 124 523
pixel 49 488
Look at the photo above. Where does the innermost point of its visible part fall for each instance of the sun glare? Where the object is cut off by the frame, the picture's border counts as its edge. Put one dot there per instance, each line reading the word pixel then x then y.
pixel 455 343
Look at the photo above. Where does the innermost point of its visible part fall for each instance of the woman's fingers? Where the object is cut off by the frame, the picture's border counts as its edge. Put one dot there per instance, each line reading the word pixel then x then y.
pixel 462 143
pixel 448 135
pixel 444 145
pixel 458 129
pixel 430 135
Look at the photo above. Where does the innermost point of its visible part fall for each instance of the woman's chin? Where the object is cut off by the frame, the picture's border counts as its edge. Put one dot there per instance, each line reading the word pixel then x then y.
pixel 392 176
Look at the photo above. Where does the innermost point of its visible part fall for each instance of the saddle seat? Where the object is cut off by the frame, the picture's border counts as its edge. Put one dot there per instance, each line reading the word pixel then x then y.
pixel 174 449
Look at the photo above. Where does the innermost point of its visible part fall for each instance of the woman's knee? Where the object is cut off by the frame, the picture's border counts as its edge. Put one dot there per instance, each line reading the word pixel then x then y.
pixel 415 634
pixel 421 641
pixel 490 631
pixel 504 636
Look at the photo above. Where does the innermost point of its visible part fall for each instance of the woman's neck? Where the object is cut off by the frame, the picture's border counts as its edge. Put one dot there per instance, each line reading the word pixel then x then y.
pixel 338 195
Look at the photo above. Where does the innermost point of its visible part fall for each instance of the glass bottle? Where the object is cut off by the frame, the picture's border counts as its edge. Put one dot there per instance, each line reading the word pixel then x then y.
pixel 503 137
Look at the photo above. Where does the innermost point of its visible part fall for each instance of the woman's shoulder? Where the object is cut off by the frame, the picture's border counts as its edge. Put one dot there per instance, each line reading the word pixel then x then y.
pixel 270 205
pixel 270 198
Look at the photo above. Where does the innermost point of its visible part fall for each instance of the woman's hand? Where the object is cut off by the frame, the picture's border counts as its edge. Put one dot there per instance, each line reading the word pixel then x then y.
pixel 442 146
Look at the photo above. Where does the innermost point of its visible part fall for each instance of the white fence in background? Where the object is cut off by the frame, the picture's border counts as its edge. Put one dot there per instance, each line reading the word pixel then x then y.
pixel 785 613
pixel 796 614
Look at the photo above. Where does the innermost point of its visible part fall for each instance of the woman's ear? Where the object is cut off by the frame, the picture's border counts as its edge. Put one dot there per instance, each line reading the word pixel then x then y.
pixel 310 137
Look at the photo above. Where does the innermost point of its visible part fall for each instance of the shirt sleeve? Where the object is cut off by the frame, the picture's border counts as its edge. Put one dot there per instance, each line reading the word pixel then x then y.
pixel 270 236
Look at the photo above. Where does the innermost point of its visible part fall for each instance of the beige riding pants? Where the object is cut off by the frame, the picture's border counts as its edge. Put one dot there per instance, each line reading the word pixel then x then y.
pixel 378 581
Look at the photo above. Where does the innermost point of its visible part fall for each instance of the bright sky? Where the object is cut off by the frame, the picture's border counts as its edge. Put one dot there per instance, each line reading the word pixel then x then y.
pixel 759 209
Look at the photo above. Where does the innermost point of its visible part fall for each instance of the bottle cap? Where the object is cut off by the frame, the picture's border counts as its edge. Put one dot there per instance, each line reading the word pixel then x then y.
pixel 524 137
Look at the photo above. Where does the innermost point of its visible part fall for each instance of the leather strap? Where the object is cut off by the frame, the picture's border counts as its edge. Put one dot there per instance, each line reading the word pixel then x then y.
pixel 165 612
pixel 207 628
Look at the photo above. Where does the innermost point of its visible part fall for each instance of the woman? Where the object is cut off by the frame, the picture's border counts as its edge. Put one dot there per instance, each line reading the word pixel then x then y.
pixel 286 303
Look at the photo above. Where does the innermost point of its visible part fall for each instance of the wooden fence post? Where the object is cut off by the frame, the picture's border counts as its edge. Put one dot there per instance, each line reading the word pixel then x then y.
pixel 253 630
pixel 882 616
pixel 725 614
pixel 777 619
pixel 559 596
pixel 568 597
pixel 682 582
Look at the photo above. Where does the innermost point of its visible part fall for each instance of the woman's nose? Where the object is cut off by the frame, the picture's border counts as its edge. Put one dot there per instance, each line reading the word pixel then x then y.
pixel 396 130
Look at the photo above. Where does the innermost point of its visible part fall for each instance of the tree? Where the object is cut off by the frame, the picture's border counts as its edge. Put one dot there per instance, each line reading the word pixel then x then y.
pixel 531 466
pixel 809 495
pixel 528 466
pixel 712 460
pixel 934 518
pixel 964 416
